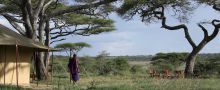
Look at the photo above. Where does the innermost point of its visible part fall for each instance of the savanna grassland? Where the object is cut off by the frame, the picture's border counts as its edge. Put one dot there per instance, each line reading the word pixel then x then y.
pixel 141 82
pixel 107 73
pixel 121 73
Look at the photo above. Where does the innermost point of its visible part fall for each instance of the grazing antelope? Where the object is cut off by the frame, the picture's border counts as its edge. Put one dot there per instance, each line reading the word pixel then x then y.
pixel 179 73
pixel 166 74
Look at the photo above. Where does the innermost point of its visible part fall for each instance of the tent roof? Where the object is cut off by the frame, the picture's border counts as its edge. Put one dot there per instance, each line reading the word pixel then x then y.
pixel 9 37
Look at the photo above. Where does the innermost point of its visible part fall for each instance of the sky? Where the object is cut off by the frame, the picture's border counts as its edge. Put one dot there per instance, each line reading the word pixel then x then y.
pixel 137 38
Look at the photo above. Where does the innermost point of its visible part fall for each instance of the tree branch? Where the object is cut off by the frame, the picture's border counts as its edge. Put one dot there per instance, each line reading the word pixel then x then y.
pixel 80 7
pixel 46 6
pixel 182 26
pixel 215 7
pixel 13 21
pixel 12 18
pixel 57 41
pixel 216 30
pixel 214 23
pixel 39 7
pixel 204 31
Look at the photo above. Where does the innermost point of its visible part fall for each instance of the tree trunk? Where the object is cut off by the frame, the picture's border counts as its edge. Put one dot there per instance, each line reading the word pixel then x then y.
pixel 39 66
pixel 191 58
pixel 47 43
pixel 42 68
pixel 190 61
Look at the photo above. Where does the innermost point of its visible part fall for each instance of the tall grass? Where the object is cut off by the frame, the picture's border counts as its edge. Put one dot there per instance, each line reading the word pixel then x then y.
pixel 9 87
pixel 137 82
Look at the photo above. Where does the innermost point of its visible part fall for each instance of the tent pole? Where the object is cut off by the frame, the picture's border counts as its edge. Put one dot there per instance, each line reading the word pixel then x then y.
pixel 5 65
pixel 17 63
pixel 52 68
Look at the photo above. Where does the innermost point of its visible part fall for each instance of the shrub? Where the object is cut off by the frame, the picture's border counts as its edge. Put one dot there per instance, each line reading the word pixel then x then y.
pixel 136 69
pixel 121 65
pixel 169 61
pixel 87 65
pixel 208 67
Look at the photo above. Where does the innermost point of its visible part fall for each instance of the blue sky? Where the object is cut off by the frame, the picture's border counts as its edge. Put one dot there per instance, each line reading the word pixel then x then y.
pixel 136 38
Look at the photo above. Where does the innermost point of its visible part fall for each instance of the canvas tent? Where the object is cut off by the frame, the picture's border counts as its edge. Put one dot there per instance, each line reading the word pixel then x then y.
pixel 15 56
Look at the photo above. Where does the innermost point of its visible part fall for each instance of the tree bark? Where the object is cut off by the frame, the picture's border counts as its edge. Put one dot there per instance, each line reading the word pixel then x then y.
pixel 191 58
pixel 39 66
pixel 47 43
pixel 190 62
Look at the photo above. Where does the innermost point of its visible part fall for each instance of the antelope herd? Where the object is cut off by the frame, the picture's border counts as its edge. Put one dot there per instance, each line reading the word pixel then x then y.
pixel 166 74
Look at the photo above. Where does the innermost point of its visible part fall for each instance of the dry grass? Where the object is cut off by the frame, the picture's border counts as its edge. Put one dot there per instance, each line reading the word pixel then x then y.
pixel 141 82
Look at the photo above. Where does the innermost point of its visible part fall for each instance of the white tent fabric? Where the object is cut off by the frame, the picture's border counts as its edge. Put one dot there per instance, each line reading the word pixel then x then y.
pixel 9 37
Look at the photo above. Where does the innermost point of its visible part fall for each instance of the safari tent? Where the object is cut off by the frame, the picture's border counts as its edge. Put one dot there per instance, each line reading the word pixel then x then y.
pixel 15 56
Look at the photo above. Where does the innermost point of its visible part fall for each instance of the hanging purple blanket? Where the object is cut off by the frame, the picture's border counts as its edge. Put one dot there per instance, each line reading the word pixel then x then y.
pixel 73 67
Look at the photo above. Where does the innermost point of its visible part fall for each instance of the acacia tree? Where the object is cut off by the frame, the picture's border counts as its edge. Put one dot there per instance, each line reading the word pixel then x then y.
pixel 154 10
pixel 72 48
pixel 35 18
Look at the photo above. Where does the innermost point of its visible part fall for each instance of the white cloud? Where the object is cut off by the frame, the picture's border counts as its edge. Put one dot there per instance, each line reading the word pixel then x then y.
pixel 117 48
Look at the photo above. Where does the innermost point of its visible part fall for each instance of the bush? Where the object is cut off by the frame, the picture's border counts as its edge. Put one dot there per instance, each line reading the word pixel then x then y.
pixel 169 61
pixel 136 69
pixel 117 66
pixel 107 68
pixel 87 65
pixel 121 66
pixel 208 67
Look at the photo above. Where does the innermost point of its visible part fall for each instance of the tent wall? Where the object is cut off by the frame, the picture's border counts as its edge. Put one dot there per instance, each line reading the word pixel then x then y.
pixel 8 69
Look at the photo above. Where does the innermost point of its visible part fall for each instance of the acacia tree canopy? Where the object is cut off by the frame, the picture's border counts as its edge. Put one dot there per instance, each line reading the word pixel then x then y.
pixel 72 47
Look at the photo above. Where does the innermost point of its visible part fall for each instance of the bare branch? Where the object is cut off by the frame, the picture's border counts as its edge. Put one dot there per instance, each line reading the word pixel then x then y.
pixel 57 41
pixel 12 18
pixel 61 26
pixel 204 30
pixel 17 27
pixel 216 8
pixel 216 30
pixel 13 21
pixel 61 34
pixel 214 23
pixel 46 5
pixel 181 26
pixel 82 34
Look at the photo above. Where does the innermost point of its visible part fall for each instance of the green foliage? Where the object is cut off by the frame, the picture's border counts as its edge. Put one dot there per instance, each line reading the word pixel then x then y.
pixel 9 87
pixel 121 64
pixel 103 55
pixel 146 8
pixel 72 47
pixel 117 66
pixel 137 69
pixel 170 61
pixel 141 83
pixel 100 65
pixel 208 67
pixel 98 25
pixel 88 65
